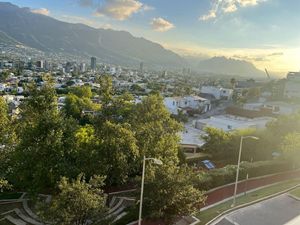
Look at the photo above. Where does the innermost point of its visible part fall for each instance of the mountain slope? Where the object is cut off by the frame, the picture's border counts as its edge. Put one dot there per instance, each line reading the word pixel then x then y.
pixel 223 65
pixel 4 38
pixel 48 34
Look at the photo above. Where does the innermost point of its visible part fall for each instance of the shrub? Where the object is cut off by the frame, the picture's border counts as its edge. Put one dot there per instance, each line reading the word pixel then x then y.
pixel 218 177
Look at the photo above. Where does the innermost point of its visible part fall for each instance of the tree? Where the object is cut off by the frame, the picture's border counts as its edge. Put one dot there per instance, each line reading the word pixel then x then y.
pixel 4 75
pixel 106 90
pixel 76 104
pixel 117 152
pixel 45 148
pixel 291 147
pixel 77 203
pixel 82 92
pixel 174 194
pixel 4 185
pixel 233 83
pixel 225 145
pixel 217 142
pixel 4 122
pixel 155 131
pixel 7 138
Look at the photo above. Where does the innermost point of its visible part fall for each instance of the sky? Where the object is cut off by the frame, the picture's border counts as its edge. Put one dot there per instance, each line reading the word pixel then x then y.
pixel 264 32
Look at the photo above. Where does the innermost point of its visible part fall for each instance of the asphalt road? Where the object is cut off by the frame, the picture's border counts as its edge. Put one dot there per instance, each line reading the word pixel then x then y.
pixel 276 211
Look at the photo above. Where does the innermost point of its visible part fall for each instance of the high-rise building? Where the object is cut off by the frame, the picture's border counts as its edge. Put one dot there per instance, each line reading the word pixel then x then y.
pixel 40 64
pixel 141 67
pixel 82 67
pixel 93 63
pixel 68 67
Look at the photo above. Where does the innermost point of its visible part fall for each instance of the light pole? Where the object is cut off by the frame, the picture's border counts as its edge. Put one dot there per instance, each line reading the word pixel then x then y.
pixel 238 166
pixel 156 161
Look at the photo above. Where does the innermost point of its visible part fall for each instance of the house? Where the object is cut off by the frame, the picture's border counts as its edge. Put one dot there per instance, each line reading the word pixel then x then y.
pixel 2 87
pixel 231 123
pixel 217 92
pixel 186 104
pixel 292 84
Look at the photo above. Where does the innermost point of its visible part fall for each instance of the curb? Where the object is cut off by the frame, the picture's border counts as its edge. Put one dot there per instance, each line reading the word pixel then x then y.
pixel 251 203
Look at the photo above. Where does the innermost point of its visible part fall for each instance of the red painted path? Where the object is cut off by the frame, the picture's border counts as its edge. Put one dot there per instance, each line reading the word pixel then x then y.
pixel 224 192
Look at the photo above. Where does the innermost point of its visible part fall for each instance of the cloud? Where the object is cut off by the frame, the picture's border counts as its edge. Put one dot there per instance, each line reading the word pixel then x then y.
pixel 220 7
pixel 277 54
pixel 161 25
pixel 42 11
pixel 147 8
pixel 211 14
pixel 120 9
pixel 86 3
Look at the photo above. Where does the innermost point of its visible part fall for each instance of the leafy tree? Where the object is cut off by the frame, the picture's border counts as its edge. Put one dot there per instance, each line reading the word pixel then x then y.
pixel 4 122
pixel 155 131
pixel 233 83
pixel 217 141
pixel 82 92
pixel 117 151
pixel 253 93
pixel 44 152
pixel 116 109
pixel 4 75
pixel 106 90
pixel 225 145
pixel 291 147
pixel 107 150
pixel 7 137
pixel 77 203
pixel 174 194
pixel 74 106
pixel 4 185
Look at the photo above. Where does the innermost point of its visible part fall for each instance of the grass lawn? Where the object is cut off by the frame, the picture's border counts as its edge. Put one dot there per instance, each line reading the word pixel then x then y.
pixel 209 214
pixel 296 192
pixel 10 195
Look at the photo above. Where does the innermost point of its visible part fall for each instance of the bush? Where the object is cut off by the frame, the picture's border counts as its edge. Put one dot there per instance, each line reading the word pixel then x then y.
pixel 262 168
pixel 218 177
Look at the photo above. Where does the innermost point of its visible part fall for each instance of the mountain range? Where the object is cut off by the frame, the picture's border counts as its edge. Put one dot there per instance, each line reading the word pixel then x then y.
pixel 48 34
pixel 229 66
pixel 20 25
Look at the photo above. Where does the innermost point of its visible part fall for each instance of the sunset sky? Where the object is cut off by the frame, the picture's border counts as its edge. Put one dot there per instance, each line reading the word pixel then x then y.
pixel 265 32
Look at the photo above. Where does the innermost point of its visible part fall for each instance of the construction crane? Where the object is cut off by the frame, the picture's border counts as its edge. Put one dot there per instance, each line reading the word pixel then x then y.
pixel 268 75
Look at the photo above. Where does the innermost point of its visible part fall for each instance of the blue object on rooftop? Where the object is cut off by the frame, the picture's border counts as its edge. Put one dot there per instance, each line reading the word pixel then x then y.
pixel 208 164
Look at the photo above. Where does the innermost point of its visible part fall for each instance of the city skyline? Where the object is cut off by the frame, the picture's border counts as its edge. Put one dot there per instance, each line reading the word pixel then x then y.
pixel 260 31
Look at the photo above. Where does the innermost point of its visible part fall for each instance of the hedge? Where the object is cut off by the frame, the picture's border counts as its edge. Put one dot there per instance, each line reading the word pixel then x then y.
pixel 218 177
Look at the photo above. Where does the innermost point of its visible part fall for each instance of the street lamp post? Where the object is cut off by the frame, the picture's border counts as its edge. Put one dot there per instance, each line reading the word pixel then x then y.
pixel 156 161
pixel 238 166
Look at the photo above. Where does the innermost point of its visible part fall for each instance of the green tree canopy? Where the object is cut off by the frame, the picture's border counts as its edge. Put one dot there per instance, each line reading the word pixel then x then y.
pixel 77 203
pixel 156 132
pixel 291 147
pixel 170 193
pixel 44 150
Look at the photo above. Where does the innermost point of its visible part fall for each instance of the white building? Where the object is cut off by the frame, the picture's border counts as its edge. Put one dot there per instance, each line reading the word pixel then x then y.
pixel 292 85
pixel 232 123
pixel 217 92
pixel 176 104
pixel 2 87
